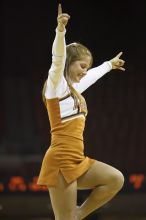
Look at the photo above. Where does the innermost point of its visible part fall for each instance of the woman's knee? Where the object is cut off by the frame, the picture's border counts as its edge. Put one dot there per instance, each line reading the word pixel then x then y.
pixel 116 180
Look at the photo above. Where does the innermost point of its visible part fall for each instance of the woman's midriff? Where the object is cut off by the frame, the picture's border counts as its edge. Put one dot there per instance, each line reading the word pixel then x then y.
pixel 65 151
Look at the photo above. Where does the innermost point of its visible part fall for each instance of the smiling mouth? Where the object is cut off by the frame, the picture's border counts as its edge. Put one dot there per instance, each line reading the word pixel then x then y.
pixel 80 76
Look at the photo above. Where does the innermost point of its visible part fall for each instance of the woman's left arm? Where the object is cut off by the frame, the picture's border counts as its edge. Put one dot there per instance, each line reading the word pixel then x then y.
pixel 97 72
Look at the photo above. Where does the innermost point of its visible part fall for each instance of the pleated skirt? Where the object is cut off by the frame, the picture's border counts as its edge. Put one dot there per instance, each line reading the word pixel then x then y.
pixel 65 155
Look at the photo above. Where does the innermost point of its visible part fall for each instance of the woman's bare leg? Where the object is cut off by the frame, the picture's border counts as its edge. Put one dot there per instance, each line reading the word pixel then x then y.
pixel 105 180
pixel 64 199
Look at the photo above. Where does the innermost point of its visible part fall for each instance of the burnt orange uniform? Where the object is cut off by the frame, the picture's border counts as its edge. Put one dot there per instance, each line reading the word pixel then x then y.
pixel 66 152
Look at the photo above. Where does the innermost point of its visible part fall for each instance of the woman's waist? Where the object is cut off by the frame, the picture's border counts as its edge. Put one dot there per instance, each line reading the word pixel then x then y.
pixel 64 141
pixel 66 135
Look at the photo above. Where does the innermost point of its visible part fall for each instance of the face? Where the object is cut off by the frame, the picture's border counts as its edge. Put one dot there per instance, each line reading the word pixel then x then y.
pixel 78 69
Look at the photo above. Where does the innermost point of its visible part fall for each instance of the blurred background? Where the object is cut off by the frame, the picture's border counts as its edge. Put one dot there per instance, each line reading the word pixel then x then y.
pixel 116 123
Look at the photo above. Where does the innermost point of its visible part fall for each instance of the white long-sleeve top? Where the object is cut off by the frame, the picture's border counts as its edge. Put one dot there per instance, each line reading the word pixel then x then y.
pixel 56 82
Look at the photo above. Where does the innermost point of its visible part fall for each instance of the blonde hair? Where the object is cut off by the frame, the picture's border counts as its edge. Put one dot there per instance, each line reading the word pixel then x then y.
pixel 43 92
pixel 74 52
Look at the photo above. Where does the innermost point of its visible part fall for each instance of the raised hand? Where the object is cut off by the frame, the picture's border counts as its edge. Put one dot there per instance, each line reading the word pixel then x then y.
pixel 118 63
pixel 62 19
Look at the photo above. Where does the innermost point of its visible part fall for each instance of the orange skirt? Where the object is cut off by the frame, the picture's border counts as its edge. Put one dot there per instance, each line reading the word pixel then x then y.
pixel 66 154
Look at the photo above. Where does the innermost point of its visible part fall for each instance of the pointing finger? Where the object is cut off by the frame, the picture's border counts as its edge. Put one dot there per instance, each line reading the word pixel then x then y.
pixel 119 54
pixel 59 9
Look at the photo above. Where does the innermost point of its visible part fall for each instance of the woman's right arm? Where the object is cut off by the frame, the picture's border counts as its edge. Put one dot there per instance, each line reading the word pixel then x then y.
pixel 58 58
pixel 58 50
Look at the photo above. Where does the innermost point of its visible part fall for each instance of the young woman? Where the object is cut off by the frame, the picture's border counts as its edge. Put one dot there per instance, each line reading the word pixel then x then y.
pixel 65 168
